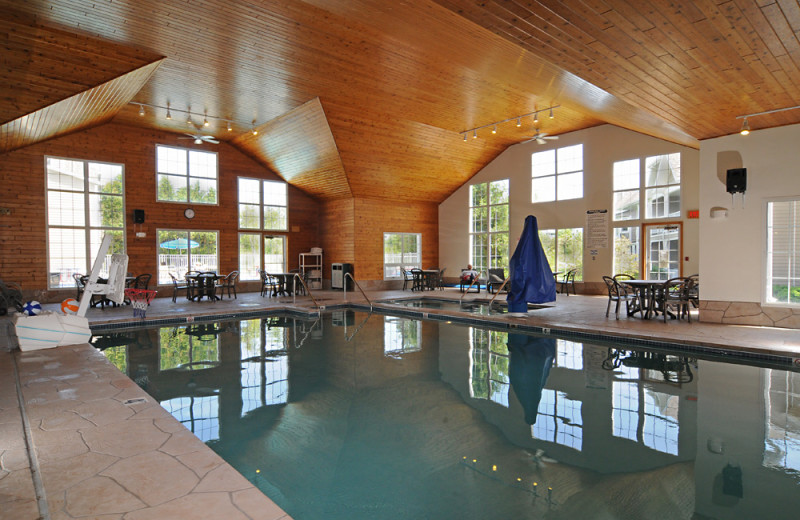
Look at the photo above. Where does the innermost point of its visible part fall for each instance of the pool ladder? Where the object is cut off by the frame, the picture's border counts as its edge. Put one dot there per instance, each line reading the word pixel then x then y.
pixel 344 289
pixel 505 282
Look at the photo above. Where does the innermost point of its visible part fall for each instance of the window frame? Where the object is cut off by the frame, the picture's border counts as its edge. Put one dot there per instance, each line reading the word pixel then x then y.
pixel 188 251
pixel 556 249
pixel 489 239
pixel 555 166
pixel 87 227
pixel 403 263
pixel 188 176
pixel 766 290
pixel 263 204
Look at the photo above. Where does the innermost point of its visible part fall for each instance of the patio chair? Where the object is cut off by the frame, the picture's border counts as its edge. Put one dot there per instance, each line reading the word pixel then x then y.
pixel 496 278
pixel 567 281
pixel 229 283
pixel 269 284
pixel 440 279
pixel 80 283
pixel 407 277
pixel 10 297
pixel 177 286
pixel 675 293
pixel 617 294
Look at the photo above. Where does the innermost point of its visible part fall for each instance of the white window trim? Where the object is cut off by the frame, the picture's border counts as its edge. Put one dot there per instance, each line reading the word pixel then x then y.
pixel 765 252
pixel 403 263
pixel 188 177
pixel 261 205
pixel 87 227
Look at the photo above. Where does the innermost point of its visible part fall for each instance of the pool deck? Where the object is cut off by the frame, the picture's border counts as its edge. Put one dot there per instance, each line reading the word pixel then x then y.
pixel 78 439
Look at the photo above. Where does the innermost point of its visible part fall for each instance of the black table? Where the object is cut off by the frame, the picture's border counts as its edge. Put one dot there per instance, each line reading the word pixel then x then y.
pixel 202 285
pixel 284 286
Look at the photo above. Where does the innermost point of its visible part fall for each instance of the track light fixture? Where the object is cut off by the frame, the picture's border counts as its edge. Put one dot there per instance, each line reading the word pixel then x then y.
pixel 746 125
pixel 189 114
pixel 255 132
pixel 518 120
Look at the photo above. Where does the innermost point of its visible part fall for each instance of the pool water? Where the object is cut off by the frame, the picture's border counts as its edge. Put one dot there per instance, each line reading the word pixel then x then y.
pixel 363 416
pixel 478 307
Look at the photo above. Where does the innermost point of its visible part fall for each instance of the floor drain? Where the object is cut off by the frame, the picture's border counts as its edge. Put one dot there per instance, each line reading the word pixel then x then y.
pixel 138 400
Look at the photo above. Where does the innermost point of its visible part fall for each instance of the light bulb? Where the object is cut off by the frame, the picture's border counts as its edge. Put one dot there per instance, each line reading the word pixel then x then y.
pixel 519 123
pixel 494 130
pixel 745 127
pixel 141 110
pixel 551 114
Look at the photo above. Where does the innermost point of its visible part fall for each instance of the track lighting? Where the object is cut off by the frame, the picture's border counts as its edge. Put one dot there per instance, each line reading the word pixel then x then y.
pixel 745 127
pixel 206 118
pixel 465 137
pixel 518 120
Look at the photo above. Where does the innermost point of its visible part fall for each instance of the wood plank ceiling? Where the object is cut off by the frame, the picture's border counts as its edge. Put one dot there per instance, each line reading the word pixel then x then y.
pixel 369 98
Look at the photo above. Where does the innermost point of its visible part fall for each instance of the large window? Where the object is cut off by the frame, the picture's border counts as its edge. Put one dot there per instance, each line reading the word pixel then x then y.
pixel 557 174
pixel 251 260
pixel 563 249
pixel 85 201
pixel 180 251
pixel 663 186
pixel 626 251
pixel 186 175
pixel 263 205
pixel 783 252
pixel 626 189
pixel 401 250
pixel 488 215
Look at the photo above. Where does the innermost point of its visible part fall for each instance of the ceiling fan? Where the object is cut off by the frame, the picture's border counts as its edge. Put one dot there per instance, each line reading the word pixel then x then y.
pixel 200 138
pixel 541 137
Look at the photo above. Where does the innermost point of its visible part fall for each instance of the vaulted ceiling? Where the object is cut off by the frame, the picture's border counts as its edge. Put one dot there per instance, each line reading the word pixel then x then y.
pixel 370 98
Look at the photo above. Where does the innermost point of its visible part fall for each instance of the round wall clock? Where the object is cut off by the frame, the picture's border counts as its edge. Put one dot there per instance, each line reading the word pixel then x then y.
pixel 188 213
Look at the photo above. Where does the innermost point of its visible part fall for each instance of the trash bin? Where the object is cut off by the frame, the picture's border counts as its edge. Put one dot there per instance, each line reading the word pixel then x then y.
pixel 338 272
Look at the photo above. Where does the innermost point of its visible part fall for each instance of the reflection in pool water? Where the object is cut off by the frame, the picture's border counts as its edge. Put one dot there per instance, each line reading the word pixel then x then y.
pixel 479 307
pixel 351 416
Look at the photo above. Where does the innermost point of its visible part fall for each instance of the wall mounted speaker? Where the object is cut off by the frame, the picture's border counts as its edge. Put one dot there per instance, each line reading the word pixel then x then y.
pixel 736 181
pixel 138 216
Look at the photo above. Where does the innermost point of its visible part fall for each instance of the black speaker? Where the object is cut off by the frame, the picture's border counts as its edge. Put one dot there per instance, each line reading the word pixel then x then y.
pixel 736 181
pixel 138 216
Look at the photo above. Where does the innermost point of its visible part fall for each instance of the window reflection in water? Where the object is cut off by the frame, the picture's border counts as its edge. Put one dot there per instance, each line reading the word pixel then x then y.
pixel 401 335
pixel 782 442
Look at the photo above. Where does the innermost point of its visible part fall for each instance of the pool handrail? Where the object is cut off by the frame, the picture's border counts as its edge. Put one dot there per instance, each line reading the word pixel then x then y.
pixel 344 289
pixel 499 290
pixel 308 291
pixel 476 279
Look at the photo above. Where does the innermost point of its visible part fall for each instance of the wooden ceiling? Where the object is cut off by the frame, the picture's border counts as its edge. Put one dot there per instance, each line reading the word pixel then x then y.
pixel 369 98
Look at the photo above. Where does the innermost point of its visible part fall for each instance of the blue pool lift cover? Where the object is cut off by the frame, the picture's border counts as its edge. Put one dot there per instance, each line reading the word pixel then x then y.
pixel 531 277
pixel 529 360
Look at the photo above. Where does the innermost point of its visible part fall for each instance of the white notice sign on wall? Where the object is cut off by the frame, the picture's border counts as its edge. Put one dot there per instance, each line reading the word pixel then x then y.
pixel 596 228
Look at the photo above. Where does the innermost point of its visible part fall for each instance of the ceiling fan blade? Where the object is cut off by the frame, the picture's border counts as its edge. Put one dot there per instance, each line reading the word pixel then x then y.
pixel 210 140
pixel 553 137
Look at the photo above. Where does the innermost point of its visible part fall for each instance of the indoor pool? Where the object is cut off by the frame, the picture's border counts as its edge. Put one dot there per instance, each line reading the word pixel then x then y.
pixel 357 416
pixel 479 307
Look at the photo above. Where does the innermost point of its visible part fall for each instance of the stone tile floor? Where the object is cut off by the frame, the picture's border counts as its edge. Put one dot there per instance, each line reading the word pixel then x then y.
pixel 102 448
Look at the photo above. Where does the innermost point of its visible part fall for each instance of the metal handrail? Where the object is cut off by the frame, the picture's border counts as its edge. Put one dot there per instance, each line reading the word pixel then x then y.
pixel 344 289
pixel 499 290
pixel 308 332
pixel 476 279
pixel 294 289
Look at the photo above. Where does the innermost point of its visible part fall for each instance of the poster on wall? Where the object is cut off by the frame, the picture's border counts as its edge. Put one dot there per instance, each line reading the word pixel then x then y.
pixel 597 228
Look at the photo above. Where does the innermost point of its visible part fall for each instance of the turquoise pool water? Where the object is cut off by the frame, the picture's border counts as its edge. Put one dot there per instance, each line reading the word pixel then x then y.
pixel 379 417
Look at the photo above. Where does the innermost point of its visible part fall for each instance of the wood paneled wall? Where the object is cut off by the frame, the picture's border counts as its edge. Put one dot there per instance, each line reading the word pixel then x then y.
pixel 22 191
pixel 337 231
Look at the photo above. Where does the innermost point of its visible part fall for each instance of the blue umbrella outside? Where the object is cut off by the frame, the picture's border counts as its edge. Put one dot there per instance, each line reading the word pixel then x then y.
pixel 179 243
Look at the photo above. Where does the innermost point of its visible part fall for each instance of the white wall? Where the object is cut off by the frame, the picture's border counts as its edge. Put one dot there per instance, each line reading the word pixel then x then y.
pixel 733 248
pixel 602 146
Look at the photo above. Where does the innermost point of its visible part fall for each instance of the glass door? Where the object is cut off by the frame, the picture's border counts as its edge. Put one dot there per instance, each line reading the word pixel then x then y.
pixel 664 244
